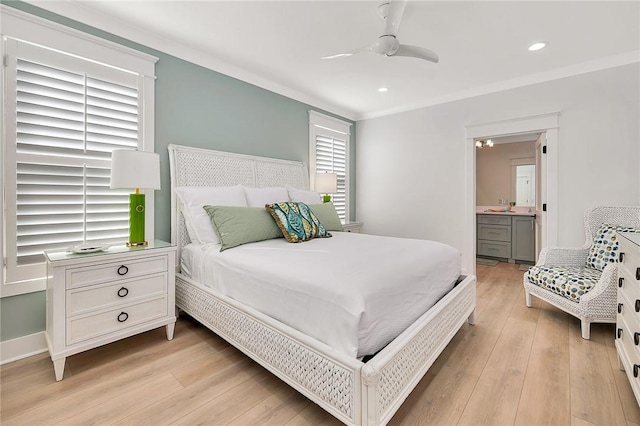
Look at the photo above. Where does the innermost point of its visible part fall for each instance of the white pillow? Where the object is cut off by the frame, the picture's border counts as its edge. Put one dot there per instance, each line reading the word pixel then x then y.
pixel 197 220
pixel 307 197
pixel 258 197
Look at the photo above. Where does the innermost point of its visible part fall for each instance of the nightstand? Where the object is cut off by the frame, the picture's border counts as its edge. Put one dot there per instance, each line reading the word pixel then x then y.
pixel 352 227
pixel 98 298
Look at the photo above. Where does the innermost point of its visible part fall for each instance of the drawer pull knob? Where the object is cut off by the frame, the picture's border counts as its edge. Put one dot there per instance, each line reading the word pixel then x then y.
pixel 123 317
pixel 619 308
pixel 637 305
pixel 619 333
pixel 636 338
pixel 621 257
pixel 122 270
pixel 124 291
pixel 638 273
pixel 620 282
pixel 636 370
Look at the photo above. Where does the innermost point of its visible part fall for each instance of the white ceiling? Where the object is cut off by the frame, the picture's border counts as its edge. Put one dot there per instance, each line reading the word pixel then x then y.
pixel 278 45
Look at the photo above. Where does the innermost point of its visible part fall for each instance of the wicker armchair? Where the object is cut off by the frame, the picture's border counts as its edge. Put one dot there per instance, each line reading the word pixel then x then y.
pixel 571 280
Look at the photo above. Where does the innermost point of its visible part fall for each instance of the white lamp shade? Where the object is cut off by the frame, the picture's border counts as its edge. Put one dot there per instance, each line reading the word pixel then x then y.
pixel 135 169
pixel 326 183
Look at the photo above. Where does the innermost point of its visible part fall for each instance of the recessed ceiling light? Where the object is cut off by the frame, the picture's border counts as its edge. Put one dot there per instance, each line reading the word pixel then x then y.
pixel 538 45
pixel 383 89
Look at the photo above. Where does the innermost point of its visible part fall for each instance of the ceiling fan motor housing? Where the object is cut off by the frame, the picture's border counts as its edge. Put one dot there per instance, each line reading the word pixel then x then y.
pixel 386 45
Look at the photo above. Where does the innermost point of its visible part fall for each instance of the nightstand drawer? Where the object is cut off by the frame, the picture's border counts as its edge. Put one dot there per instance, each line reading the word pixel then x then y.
pixel 83 299
pixel 89 275
pixel 86 327
pixel 495 233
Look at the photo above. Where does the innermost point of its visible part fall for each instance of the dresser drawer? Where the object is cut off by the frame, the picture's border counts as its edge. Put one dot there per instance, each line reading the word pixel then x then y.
pixel 81 328
pixel 84 299
pixel 95 274
pixel 630 264
pixel 494 219
pixel 627 339
pixel 494 233
pixel 494 248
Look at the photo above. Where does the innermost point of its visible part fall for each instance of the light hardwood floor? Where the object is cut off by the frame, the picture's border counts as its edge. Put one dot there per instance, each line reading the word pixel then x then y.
pixel 516 366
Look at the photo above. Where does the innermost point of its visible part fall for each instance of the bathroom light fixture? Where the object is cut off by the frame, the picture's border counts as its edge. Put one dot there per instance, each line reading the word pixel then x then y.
pixel 383 89
pixel 480 144
pixel 538 45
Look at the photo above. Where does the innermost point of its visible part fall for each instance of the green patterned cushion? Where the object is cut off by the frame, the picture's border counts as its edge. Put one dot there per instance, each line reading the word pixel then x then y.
pixel 604 249
pixel 296 221
pixel 569 282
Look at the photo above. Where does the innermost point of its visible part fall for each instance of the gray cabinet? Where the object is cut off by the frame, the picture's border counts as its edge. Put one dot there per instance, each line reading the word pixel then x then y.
pixel 523 244
pixel 508 237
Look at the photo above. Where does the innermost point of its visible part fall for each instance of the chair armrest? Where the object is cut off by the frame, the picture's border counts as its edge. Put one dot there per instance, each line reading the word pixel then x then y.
pixel 605 291
pixel 563 256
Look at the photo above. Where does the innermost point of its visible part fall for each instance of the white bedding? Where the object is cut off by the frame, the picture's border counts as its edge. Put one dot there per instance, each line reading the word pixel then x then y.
pixel 354 292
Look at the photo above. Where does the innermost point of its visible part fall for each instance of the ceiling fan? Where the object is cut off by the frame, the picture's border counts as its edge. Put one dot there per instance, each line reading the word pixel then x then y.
pixel 387 44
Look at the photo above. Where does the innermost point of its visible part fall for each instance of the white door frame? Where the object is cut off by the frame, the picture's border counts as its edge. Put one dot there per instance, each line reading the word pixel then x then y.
pixel 539 123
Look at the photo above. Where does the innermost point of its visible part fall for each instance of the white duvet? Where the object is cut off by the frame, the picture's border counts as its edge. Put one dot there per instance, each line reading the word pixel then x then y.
pixel 354 292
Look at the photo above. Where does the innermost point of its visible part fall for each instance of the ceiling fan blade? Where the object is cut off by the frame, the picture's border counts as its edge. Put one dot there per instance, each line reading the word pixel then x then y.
pixel 416 52
pixel 347 54
pixel 393 17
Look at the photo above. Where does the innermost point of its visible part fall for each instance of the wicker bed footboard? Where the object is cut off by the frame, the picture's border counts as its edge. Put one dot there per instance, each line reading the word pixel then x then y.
pixel 353 392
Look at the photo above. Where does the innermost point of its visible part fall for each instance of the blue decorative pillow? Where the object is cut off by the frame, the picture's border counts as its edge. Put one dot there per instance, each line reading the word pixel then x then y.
pixel 296 221
pixel 604 249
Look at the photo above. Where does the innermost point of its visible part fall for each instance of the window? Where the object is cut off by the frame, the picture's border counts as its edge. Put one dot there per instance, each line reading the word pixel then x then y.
pixel 64 115
pixel 329 152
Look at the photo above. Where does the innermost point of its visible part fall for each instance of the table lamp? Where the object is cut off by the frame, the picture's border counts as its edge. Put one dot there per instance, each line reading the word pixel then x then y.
pixel 135 170
pixel 326 183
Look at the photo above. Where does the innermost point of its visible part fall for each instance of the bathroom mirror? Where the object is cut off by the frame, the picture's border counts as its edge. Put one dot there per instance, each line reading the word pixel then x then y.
pixel 525 185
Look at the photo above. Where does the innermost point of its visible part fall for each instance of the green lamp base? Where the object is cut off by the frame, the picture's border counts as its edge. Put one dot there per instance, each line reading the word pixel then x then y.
pixel 326 198
pixel 136 220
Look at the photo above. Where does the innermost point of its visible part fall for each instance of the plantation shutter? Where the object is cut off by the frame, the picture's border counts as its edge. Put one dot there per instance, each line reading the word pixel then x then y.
pixel 329 152
pixel 70 114
pixel 331 157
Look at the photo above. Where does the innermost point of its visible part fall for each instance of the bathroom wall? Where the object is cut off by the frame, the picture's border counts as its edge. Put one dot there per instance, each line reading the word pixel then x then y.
pixel 493 170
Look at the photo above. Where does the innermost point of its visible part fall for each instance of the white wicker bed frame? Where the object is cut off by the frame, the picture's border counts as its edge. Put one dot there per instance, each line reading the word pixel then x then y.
pixel 354 392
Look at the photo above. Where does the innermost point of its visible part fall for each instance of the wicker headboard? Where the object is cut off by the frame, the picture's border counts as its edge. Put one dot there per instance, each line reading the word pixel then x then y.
pixel 203 167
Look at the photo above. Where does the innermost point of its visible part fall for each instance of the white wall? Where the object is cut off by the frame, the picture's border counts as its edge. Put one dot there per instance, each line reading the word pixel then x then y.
pixel 410 166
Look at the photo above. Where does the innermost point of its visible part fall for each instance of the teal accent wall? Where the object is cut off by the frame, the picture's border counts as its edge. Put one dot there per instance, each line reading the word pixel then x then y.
pixel 198 107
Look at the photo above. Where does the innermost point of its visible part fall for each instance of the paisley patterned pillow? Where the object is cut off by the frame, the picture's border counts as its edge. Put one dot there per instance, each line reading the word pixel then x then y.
pixel 296 221
pixel 604 249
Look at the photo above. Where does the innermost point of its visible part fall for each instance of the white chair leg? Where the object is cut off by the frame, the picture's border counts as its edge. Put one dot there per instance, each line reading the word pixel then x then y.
pixel 527 298
pixel 472 318
pixel 586 329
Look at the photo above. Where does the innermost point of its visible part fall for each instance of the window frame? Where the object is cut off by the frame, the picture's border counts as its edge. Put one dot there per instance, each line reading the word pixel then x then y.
pixel 324 125
pixel 17 25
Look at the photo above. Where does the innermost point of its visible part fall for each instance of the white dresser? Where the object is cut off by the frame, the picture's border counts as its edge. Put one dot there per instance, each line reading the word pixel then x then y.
pixel 628 318
pixel 98 298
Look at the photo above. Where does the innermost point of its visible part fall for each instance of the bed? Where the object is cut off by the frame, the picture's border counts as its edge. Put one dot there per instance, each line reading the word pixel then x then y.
pixel 332 376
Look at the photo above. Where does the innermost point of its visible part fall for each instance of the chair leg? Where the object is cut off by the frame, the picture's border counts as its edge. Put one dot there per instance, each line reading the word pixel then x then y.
pixel 586 329
pixel 527 298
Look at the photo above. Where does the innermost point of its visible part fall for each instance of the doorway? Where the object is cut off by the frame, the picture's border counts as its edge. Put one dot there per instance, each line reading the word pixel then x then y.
pixel 547 171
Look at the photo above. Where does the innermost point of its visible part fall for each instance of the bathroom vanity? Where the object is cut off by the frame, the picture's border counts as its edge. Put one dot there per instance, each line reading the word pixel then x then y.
pixel 507 236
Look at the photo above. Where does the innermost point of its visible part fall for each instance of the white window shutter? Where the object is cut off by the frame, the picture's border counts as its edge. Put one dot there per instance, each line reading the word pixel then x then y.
pixel 70 114
pixel 329 153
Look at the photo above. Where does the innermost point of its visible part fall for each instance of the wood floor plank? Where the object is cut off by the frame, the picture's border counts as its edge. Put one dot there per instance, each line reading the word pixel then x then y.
pixel 594 395
pixel 547 381
pixel 181 403
pixel 126 403
pixel 497 393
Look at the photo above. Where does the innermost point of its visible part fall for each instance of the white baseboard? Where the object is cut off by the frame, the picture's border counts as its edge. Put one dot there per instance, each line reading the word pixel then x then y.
pixel 22 347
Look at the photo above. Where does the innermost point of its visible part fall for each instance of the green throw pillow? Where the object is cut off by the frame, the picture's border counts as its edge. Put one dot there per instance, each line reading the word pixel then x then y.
pixel 242 225
pixel 296 221
pixel 327 215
